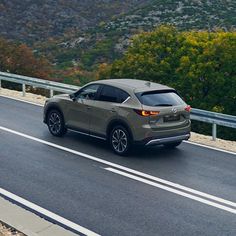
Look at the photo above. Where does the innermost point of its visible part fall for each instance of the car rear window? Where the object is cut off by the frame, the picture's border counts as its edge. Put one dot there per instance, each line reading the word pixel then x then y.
pixel 160 98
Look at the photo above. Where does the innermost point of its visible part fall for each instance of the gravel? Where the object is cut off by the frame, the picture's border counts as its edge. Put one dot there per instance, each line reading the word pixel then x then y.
pixel 9 231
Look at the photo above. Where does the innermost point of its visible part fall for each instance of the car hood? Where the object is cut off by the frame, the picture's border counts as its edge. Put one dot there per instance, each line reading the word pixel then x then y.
pixel 62 96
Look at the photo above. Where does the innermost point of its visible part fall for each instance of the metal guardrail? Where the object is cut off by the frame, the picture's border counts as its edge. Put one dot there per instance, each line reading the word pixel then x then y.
pixel 213 118
pixel 39 83
pixel 196 114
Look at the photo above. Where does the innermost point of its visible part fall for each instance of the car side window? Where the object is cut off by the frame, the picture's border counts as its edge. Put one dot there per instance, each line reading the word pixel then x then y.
pixel 123 96
pixel 89 92
pixel 109 94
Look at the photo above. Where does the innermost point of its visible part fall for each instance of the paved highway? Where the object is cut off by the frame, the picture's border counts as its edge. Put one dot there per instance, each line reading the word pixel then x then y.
pixel 187 191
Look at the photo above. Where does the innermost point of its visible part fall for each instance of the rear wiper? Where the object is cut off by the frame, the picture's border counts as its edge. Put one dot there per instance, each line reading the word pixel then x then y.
pixel 163 105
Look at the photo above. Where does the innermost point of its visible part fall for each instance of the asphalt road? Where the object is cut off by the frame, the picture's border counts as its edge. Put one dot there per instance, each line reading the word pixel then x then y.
pixel 90 194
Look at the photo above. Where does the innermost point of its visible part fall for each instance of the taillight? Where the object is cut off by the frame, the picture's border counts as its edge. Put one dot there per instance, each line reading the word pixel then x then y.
pixel 147 113
pixel 188 108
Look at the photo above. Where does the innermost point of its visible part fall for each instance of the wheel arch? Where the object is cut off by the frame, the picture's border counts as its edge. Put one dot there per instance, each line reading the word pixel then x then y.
pixel 51 107
pixel 117 122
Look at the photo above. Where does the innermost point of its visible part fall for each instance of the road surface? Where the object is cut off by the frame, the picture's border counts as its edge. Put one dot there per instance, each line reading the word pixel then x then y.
pixel 187 191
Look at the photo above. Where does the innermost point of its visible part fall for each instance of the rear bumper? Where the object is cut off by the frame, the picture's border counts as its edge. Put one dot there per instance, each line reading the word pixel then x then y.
pixel 149 137
pixel 158 141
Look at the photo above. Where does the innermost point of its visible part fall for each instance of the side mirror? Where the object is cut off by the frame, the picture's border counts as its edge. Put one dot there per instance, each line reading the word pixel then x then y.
pixel 72 97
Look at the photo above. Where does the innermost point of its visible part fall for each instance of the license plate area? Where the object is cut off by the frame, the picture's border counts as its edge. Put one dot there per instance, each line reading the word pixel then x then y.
pixel 171 118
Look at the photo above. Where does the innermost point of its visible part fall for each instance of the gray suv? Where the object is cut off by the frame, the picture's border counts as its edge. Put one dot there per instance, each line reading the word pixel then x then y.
pixel 124 112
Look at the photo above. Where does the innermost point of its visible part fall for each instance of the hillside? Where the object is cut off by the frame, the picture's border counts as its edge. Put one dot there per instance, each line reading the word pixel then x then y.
pixel 32 20
pixel 83 34
pixel 193 14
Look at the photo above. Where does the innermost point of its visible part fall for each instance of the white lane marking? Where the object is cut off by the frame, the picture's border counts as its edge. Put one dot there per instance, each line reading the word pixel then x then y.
pixel 21 100
pixel 189 142
pixel 169 189
pixel 214 148
pixel 166 182
pixel 47 213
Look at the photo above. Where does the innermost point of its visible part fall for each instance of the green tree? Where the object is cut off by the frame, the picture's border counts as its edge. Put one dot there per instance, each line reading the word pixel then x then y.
pixel 201 65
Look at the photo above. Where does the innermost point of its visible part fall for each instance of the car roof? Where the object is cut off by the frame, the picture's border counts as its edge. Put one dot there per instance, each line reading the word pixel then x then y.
pixel 134 85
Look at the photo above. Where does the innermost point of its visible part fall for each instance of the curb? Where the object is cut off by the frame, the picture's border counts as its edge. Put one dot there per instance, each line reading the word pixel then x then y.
pixel 27 222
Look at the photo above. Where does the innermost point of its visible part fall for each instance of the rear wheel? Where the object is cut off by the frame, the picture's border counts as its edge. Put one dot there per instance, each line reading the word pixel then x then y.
pixel 120 140
pixel 172 145
pixel 56 124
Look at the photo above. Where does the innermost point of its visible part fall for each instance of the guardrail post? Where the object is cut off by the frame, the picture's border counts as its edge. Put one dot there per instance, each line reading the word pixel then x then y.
pixel 214 132
pixel 51 93
pixel 23 90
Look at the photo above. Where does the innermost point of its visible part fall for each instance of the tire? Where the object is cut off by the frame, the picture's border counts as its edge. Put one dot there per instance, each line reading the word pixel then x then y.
pixel 120 140
pixel 172 145
pixel 56 124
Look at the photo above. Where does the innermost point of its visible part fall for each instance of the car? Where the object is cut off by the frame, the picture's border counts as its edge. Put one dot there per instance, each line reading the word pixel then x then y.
pixel 125 112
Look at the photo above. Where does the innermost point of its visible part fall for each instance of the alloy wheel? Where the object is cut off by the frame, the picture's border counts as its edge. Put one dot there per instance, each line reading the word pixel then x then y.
pixel 54 123
pixel 119 141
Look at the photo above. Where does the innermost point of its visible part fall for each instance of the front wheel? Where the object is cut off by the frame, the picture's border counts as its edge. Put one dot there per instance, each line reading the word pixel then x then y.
pixel 172 145
pixel 56 124
pixel 120 140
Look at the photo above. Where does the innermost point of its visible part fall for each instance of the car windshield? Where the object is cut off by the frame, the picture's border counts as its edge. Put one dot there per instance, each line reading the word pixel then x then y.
pixel 160 98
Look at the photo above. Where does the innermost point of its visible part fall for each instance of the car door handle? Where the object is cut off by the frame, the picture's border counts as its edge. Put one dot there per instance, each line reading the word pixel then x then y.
pixel 113 110
pixel 88 107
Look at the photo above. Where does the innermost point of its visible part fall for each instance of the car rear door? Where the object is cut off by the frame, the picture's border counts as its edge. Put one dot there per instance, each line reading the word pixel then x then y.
pixel 105 109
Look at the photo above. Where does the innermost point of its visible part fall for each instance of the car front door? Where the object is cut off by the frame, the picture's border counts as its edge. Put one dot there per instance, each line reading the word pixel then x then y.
pixel 79 111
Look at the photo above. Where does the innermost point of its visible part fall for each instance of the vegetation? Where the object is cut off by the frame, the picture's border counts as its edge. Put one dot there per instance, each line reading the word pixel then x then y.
pixel 20 59
pixel 84 34
pixel 201 65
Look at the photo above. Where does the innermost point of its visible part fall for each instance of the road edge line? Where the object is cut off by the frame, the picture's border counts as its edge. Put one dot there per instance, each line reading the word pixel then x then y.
pixel 27 222
pixel 213 148
pixel 22 100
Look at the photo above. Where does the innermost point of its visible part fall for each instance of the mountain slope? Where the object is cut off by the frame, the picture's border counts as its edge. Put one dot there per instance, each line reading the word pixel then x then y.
pixel 77 33
pixel 31 20
pixel 187 14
